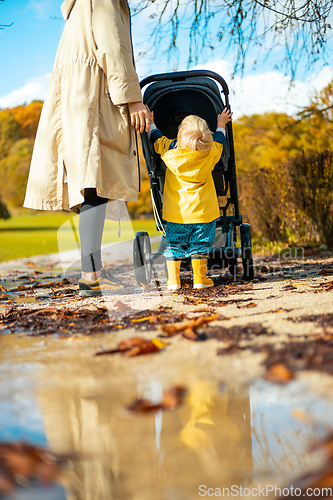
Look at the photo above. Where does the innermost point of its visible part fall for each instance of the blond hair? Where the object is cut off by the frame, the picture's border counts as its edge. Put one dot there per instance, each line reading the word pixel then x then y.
pixel 194 134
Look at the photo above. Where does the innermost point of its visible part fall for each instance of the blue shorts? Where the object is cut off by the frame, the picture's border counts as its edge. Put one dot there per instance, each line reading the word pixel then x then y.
pixel 189 240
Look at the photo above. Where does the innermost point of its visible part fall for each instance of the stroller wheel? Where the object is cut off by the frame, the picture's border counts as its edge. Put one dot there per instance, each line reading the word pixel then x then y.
pixel 141 258
pixel 247 258
pixel 232 266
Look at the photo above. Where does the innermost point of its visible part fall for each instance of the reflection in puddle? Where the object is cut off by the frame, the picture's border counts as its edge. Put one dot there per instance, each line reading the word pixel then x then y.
pixel 284 424
pixel 24 300
pixel 222 435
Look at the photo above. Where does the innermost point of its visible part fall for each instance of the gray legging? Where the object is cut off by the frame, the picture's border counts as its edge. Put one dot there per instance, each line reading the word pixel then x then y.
pixel 91 225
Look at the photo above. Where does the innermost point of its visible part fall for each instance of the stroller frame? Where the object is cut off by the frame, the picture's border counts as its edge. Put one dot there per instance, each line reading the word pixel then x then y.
pixel 198 83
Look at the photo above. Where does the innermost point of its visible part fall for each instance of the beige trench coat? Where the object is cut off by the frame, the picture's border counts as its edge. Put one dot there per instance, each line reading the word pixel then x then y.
pixel 84 138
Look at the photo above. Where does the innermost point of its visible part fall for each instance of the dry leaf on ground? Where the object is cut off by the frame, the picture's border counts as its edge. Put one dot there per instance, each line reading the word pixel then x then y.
pixel 170 401
pixel 174 328
pixel 279 373
pixel 247 306
pixel 30 462
pixel 133 346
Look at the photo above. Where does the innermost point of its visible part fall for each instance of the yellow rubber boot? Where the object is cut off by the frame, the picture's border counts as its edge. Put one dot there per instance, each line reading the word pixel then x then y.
pixel 173 267
pixel 199 267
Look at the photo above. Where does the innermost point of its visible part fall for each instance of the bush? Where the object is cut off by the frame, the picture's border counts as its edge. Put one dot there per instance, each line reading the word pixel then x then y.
pixel 4 214
pixel 262 203
pixel 291 202
pixel 311 179
pixel 267 203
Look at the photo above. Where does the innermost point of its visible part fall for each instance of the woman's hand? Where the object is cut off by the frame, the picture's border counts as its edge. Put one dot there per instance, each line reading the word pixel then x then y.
pixel 224 118
pixel 139 114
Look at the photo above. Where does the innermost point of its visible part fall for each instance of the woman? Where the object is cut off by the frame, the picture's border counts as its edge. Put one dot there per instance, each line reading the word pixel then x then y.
pixel 85 151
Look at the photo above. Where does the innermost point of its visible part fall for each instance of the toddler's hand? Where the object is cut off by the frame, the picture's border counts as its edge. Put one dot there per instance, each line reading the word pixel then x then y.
pixel 224 118
pixel 150 114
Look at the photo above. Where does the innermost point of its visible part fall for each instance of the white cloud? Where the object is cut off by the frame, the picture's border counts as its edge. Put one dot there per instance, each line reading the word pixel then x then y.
pixel 35 88
pixel 252 94
pixel 41 8
pixel 269 91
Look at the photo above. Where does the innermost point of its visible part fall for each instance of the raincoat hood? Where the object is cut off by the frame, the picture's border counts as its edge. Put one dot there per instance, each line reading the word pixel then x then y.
pixel 66 8
pixel 191 165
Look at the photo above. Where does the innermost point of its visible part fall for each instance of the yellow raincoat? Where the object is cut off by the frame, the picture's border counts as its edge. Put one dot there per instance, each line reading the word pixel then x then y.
pixel 189 190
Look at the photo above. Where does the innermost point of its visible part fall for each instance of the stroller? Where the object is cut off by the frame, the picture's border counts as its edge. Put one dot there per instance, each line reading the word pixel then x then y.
pixel 173 96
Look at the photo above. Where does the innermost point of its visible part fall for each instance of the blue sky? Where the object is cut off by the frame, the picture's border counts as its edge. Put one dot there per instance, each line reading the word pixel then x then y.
pixel 28 48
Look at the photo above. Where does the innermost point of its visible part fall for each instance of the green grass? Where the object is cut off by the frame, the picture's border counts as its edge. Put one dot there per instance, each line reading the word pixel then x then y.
pixel 36 233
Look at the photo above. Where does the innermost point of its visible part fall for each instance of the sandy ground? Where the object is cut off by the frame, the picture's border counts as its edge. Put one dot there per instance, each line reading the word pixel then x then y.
pixel 289 300
pixel 279 326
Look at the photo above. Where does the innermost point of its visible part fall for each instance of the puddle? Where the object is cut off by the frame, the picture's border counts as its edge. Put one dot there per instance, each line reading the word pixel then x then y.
pixel 24 300
pixel 223 436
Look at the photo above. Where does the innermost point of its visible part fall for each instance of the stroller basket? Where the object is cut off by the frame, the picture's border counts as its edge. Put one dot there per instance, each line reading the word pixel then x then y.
pixel 172 97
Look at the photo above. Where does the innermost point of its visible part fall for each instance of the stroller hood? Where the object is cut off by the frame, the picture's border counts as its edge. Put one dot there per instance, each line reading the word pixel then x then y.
pixel 193 166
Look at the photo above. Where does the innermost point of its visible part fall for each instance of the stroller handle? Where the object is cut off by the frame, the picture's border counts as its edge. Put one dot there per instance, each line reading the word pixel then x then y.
pixel 182 75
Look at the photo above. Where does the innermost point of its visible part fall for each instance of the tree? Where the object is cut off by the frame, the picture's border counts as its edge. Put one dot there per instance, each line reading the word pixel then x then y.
pixel 28 117
pixel 14 171
pixel 285 29
pixel 319 117
pixel 10 132
pixel 270 139
pixel 4 213
pixel 311 179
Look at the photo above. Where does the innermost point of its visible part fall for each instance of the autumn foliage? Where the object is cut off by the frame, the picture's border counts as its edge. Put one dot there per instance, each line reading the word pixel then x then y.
pixel 18 128
pixel 285 173
pixel 284 168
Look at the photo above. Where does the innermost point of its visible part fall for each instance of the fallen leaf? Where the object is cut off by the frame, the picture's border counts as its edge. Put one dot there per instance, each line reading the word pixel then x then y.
pixel 289 287
pixel 171 401
pixel 146 347
pixel 248 306
pixel 19 460
pixel 135 346
pixel 143 406
pixel 174 328
pixel 279 373
pixel 151 319
pixel 280 310
pixel 326 272
pixel 190 334
pixel 203 309
pixel 173 397
pixel 20 288
pixel 5 296
pixel 159 343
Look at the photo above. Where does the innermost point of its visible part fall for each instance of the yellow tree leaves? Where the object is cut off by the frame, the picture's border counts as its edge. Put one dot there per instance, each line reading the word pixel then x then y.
pixel 270 139
pixel 18 127
pixel 28 117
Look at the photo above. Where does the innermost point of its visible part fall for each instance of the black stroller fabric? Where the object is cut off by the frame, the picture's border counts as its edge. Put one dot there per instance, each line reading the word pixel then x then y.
pixel 172 97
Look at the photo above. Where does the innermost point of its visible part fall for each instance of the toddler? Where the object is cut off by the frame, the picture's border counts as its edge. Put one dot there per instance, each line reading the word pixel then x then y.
pixel 190 205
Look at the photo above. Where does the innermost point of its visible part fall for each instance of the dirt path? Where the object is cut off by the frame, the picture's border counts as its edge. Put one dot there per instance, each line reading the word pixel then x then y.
pixel 289 301
pixel 217 344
